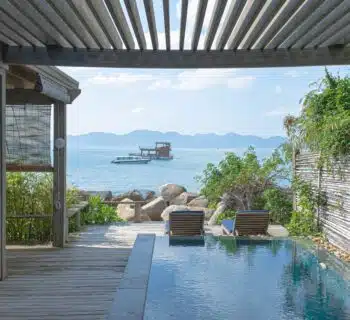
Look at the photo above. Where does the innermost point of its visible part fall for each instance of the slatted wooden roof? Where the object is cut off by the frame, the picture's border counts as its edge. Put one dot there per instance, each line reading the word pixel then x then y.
pixel 111 33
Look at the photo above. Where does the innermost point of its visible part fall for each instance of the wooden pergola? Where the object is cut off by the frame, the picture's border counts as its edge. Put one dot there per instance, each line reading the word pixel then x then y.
pixel 37 85
pixel 97 33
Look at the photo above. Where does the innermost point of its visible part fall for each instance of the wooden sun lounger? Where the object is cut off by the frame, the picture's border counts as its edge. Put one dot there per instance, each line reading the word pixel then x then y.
pixel 251 222
pixel 186 223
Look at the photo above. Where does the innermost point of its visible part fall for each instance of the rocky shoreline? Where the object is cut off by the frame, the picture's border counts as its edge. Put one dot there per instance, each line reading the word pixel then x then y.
pixel 156 206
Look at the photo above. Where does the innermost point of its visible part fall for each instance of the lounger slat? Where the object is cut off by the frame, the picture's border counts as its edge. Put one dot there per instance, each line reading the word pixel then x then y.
pixel 248 223
pixel 186 223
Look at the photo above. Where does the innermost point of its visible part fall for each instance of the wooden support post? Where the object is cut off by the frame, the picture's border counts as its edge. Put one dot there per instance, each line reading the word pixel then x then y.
pixel 3 260
pixel 77 220
pixel 60 221
pixel 137 212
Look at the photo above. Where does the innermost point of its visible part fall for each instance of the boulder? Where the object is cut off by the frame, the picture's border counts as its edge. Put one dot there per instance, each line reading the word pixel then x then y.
pixel 126 211
pixel 183 198
pixel 154 209
pixel 199 202
pixel 220 209
pixel 135 195
pixel 207 212
pixel 104 195
pixel 170 191
pixel 172 208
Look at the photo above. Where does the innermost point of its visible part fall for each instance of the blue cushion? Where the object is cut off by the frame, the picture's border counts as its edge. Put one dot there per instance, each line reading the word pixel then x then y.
pixel 229 225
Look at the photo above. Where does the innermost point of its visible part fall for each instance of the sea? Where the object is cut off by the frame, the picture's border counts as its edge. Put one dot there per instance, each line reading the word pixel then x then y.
pixel 90 168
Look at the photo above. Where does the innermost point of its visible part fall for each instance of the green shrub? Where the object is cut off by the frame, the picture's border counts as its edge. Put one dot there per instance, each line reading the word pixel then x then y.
pixel 243 179
pixel 100 213
pixel 303 222
pixel 324 123
pixel 280 205
pixel 227 214
pixel 28 194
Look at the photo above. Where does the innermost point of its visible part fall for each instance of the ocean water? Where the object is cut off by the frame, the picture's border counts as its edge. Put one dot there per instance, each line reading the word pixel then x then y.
pixel 91 168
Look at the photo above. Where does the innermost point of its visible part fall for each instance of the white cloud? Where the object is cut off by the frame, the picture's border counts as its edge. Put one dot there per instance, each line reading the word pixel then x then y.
pixel 191 19
pixel 200 79
pixel 278 89
pixel 196 79
pixel 121 79
pixel 160 84
pixel 137 110
pixel 292 73
pixel 240 82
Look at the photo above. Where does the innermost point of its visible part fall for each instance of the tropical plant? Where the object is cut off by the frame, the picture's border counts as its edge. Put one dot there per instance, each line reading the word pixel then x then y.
pixel 324 123
pixel 243 179
pixel 100 213
pixel 303 221
pixel 227 214
pixel 279 202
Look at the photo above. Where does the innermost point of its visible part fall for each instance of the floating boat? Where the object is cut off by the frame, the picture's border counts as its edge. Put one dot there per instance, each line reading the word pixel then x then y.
pixel 131 160
pixel 160 152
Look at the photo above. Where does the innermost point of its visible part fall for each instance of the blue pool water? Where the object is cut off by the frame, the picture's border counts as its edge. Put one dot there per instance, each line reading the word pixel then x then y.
pixel 224 278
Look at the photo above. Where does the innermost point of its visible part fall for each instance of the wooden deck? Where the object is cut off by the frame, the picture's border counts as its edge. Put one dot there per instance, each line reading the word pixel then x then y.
pixel 77 282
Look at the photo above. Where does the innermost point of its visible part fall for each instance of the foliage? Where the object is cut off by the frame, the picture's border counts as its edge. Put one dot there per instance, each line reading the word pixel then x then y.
pixel 280 204
pixel 99 213
pixel 29 194
pixel 227 214
pixel 324 123
pixel 303 220
pixel 72 197
pixel 243 179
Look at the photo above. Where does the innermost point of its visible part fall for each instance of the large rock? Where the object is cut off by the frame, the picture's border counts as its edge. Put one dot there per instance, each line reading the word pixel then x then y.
pixel 207 212
pixel 172 208
pixel 170 191
pixel 126 211
pixel 199 202
pixel 154 209
pixel 220 209
pixel 135 195
pixel 183 198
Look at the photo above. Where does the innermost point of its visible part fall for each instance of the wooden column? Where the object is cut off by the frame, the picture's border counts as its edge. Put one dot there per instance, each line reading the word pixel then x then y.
pixel 60 224
pixel 3 260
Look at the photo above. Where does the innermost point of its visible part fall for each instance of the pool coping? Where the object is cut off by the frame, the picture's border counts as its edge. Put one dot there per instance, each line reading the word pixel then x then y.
pixel 130 296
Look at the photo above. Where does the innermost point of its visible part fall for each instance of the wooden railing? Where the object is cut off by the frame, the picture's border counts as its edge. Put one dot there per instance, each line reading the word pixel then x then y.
pixel 75 211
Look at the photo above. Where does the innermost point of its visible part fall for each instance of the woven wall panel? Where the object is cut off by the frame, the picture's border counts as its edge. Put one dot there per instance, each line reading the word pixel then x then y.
pixel 28 133
pixel 335 186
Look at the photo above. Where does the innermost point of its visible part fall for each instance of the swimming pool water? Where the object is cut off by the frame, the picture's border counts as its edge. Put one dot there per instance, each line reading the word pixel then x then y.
pixel 224 278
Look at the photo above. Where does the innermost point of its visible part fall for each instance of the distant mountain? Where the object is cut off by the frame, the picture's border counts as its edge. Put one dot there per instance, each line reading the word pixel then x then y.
pixel 145 138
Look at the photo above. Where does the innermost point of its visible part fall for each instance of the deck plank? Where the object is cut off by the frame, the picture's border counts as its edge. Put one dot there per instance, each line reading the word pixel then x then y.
pixel 77 282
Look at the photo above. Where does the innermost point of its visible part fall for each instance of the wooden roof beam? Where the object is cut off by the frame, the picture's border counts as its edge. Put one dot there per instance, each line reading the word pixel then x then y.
pixel 151 23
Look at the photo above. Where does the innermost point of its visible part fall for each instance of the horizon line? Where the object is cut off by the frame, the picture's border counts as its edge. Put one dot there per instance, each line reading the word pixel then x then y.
pixel 179 133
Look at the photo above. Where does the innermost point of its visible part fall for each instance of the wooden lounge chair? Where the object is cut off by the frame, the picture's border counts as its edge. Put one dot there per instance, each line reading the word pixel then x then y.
pixel 251 222
pixel 186 223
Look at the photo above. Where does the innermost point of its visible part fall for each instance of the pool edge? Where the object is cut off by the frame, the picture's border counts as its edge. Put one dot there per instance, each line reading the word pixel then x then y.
pixel 130 296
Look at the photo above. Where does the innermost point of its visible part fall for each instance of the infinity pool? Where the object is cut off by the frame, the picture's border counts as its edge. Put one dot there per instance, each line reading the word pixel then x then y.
pixel 224 278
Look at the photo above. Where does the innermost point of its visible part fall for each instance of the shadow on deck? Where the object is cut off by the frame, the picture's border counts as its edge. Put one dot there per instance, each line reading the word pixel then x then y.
pixel 77 282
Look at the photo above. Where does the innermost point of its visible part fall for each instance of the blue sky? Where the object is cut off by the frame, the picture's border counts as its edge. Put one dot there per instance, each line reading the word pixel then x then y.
pixel 245 101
